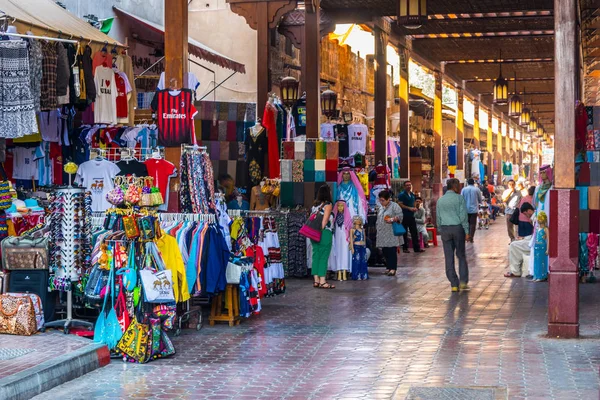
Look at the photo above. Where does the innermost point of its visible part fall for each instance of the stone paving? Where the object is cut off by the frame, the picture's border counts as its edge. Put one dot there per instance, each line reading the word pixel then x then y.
pixel 377 339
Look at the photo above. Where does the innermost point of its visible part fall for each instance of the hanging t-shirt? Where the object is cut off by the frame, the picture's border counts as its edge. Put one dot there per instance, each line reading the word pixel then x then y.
pixel 105 107
pixel 174 115
pixel 97 177
pixel 161 170
pixel 299 112
pixel 357 139
pixel 101 59
pixel 50 128
pixel 190 80
pixel 24 164
pixel 328 132
pixel 56 157
pixel 122 103
pixel 342 137
pixel 132 167
pixel 44 164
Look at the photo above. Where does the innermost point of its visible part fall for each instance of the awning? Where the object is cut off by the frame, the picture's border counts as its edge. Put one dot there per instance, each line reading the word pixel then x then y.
pixel 46 18
pixel 194 47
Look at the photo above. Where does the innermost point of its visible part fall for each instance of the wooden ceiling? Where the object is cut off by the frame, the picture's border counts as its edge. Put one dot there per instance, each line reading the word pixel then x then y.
pixel 523 30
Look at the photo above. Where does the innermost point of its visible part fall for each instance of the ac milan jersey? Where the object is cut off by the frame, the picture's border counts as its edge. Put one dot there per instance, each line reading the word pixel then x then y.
pixel 174 116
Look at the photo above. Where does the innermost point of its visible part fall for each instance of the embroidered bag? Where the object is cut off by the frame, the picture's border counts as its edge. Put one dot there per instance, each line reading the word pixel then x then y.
pixel 107 329
pixel 129 272
pixel 134 342
pixel 17 315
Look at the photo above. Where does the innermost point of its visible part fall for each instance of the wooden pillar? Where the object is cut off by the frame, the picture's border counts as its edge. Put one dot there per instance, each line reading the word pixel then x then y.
pixel 262 58
pixel 176 42
pixel 476 135
pixel 437 135
pixel 499 153
pixel 404 116
pixel 311 70
pixel 460 130
pixel 381 83
pixel 563 298
pixel 490 146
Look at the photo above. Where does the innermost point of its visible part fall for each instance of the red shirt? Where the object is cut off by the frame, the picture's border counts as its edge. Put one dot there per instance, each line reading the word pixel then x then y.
pixel 122 102
pixel 160 170
pixel 57 163
pixel 174 116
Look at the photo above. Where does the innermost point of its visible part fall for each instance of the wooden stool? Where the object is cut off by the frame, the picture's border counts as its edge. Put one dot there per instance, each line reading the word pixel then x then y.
pixel 433 232
pixel 231 312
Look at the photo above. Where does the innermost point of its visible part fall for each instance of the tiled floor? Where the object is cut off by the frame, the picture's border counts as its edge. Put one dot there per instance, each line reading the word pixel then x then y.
pixel 375 339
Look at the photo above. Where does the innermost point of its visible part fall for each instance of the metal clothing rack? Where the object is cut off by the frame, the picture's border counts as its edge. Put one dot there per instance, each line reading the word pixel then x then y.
pixel 168 217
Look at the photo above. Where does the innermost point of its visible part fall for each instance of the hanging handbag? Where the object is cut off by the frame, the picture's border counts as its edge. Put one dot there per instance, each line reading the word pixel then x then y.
pixel 233 273
pixel 116 196
pixel 156 279
pixel 129 272
pixel 121 309
pixel 398 229
pixel 23 252
pixel 134 342
pixel 313 228
pixel 166 313
pixel 37 307
pixel 107 329
pixel 5 195
pixel 17 315
pixel 132 231
pixel 133 195
pixel 146 227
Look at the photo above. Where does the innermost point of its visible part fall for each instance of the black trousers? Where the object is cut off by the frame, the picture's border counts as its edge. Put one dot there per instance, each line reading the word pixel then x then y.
pixel 472 225
pixel 453 239
pixel 391 257
pixel 411 226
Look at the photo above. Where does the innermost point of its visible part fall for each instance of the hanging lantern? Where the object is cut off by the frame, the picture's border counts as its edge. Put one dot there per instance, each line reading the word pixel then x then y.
pixel 412 14
pixel 289 91
pixel 329 103
pixel 540 131
pixel 515 106
pixel 525 116
pixel 501 88
pixel 533 125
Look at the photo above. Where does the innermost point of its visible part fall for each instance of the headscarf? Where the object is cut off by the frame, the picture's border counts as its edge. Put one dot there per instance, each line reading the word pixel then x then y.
pixel 363 206
pixel 346 217
pixel 544 187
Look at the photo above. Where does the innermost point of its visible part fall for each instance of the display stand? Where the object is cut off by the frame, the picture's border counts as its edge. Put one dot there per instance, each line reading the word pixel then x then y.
pixel 70 265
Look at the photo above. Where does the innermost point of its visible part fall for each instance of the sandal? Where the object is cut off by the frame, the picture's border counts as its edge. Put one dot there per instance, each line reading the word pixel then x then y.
pixel 326 286
pixel 392 273
pixel 315 284
pixel 511 275
pixel 387 271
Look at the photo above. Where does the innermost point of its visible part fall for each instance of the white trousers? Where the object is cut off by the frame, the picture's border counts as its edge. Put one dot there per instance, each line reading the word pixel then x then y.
pixel 518 255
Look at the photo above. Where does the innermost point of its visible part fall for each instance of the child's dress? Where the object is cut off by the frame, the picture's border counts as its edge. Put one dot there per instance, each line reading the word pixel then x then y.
pixel 540 267
pixel 359 258
pixel 339 259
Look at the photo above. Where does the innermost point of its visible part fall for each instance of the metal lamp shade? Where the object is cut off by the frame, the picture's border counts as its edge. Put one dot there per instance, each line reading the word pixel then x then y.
pixel 525 117
pixel 501 91
pixel 289 91
pixel 540 131
pixel 329 103
pixel 533 125
pixel 412 13
pixel 515 106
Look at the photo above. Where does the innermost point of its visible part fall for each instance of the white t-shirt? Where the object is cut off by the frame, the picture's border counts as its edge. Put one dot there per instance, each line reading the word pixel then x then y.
pixel 105 107
pixel 97 177
pixel 24 163
pixel 327 132
pixel 357 139
pixel 191 81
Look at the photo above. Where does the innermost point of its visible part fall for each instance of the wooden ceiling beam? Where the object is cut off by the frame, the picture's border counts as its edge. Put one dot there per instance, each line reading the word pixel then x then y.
pixel 485 35
pixel 547 78
pixel 501 61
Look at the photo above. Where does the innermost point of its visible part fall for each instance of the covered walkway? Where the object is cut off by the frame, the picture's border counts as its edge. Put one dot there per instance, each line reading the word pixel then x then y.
pixel 379 338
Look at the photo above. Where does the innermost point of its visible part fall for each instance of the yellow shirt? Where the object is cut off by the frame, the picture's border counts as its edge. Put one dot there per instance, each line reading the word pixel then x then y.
pixel 169 249
pixel 363 178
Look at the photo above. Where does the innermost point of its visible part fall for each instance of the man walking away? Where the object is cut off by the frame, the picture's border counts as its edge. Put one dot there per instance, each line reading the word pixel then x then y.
pixel 472 197
pixel 452 222
pixel 406 199
pixel 511 198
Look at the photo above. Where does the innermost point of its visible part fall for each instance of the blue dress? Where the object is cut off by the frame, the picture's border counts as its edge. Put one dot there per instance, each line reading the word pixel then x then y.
pixel 359 258
pixel 540 266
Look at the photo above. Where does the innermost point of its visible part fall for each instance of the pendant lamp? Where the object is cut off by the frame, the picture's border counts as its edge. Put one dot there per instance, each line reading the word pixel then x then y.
pixel 289 91
pixel 515 106
pixel 501 88
pixel 540 131
pixel 412 14
pixel 525 116
pixel 533 125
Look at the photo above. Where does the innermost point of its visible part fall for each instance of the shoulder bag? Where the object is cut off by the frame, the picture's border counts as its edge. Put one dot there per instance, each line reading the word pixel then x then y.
pixel 156 280
pixel 514 218
pixel 398 229
pixel 22 252
pixel 313 228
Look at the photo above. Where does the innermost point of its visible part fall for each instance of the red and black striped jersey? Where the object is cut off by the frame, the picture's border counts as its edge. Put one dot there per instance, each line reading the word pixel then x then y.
pixel 174 117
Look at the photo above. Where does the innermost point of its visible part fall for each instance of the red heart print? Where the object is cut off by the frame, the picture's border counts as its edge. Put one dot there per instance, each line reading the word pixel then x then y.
pixel 359 133
pixel 107 82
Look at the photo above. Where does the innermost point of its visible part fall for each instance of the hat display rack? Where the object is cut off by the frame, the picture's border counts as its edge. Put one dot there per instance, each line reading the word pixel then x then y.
pixel 69 248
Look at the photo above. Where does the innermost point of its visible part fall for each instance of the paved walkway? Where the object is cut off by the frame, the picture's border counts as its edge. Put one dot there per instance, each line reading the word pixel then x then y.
pixel 377 338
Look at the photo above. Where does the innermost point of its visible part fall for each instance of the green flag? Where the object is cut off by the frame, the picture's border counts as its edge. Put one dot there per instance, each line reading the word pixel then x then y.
pixel 106 25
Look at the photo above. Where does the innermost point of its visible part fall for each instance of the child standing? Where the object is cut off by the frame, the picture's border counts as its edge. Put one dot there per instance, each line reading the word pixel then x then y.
pixel 358 247
pixel 540 249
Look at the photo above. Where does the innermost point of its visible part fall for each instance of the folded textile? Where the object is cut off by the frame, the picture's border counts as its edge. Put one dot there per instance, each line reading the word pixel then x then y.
pixel 309 194
pixel 584 175
pixel 333 150
pixel 231 131
pixel 297 170
pixel 594 198
pixel 214 150
pixel 583 197
pixel 214 131
pixel 298 193
pixel 320 165
pixel 286 170
pixel 233 150
pixel 310 151
pixel 309 170
pixel 240 131
pixel 288 150
pixel 584 220
pixel 222 131
pixel 215 164
pixel 241 151
pixel 321 150
pixel 231 167
pixel 232 112
pixel 595 174
pixel 320 176
pixel 333 187
pixel 299 155
pixel 205 129
pixel 300 147
pixel 287 194
pixel 223 150
pixel 594 226
pixel 223 112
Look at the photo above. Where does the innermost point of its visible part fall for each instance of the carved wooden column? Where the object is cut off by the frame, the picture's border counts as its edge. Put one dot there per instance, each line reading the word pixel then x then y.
pixel 404 118
pixel 381 34
pixel 563 299
pixel 460 130
pixel 490 146
pixel 261 15
pixel 499 153
pixel 311 69
pixel 176 42
pixel 476 133
pixel 437 135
